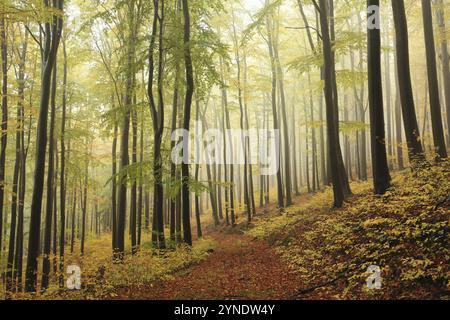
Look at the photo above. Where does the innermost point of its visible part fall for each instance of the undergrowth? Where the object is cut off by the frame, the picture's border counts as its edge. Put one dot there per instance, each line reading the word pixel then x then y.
pixel 101 277
pixel 405 232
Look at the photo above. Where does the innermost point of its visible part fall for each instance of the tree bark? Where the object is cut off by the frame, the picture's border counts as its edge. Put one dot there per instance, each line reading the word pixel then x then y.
pixel 18 163
pixel 50 194
pixel 415 149
pixel 433 85
pixel 62 187
pixel 445 60
pixel 4 124
pixel 280 197
pixel 52 38
pixel 133 204
pixel 114 182
pixel 244 139
pixel 157 113
pixel 333 140
pixel 380 168
pixel 187 237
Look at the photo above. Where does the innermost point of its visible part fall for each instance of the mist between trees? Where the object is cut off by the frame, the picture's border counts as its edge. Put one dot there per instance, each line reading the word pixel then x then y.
pixel 93 93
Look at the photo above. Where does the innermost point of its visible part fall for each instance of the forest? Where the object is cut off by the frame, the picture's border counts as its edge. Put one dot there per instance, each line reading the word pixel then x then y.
pixel 224 149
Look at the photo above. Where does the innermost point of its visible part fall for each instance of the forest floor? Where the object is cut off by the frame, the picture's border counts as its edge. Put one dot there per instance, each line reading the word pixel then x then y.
pixel 312 252
pixel 306 251
pixel 240 267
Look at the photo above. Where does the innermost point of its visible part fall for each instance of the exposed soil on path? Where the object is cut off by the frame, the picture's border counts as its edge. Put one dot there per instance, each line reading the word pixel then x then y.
pixel 239 268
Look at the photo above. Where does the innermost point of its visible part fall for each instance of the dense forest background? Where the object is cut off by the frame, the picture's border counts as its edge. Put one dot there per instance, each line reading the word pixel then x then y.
pixel 92 91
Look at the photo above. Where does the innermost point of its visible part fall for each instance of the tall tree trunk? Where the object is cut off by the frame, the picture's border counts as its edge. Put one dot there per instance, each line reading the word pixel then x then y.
pixel 197 176
pixel 16 206
pixel 212 190
pixel 343 176
pixel 294 154
pixel 62 186
pixel 248 149
pixel 227 153
pixel 173 167
pixel 50 181
pixel 380 168
pixel 333 140
pixel 84 208
pixel 55 208
pixel 287 152
pixel 74 209
pixel 52 38
pixel 124 143
pixel 445 58
pixel 280 198
pixel 114 182
pixel 415 148
pixel 197 204
pixel 133 204
pixel 388 95
pixel 244 139
pixel 140 188
pixel 187 118
pixel 18 247
pixel 433 85
pixel 4 124
pixel 308 181
pixel 157 113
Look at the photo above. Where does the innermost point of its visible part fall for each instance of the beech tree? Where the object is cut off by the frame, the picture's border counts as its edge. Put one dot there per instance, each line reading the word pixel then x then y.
pixel 415 149
pixel 187 237
pixel 52 38
pixel 381 176
pixel 435 105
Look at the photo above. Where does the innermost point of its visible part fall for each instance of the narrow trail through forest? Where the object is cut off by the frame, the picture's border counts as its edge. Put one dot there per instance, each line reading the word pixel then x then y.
pixel 240 267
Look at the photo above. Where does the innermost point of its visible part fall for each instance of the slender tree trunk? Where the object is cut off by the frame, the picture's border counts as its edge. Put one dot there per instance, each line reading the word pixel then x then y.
pixel 187 117
pixel 380 168
pixel 294 152
pixel 197 176
pixel 445 58
pixel 133 208
pixel 52 37
pixel 388 95
pixel 140 188
pixel 147 210
pixel 343 176
pixel 415 148
pixel 114 183
pixel 433 84
pixel 74 208
pixel 227 154
pixel 173 167
pixel 55 209
pixel 333 140
pixel 124 143
pixel 157 113
pixel 286 153
pixel 4 124
pixel 248 149
pixel 16 205
pixel 212 193
pixel 84 208
pixel 62 187
pixel 308 181
pixel 50 180
pixel 274 109
pixel 244 140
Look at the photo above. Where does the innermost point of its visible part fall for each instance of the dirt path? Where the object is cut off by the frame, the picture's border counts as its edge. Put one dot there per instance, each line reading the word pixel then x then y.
pixel 239 268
